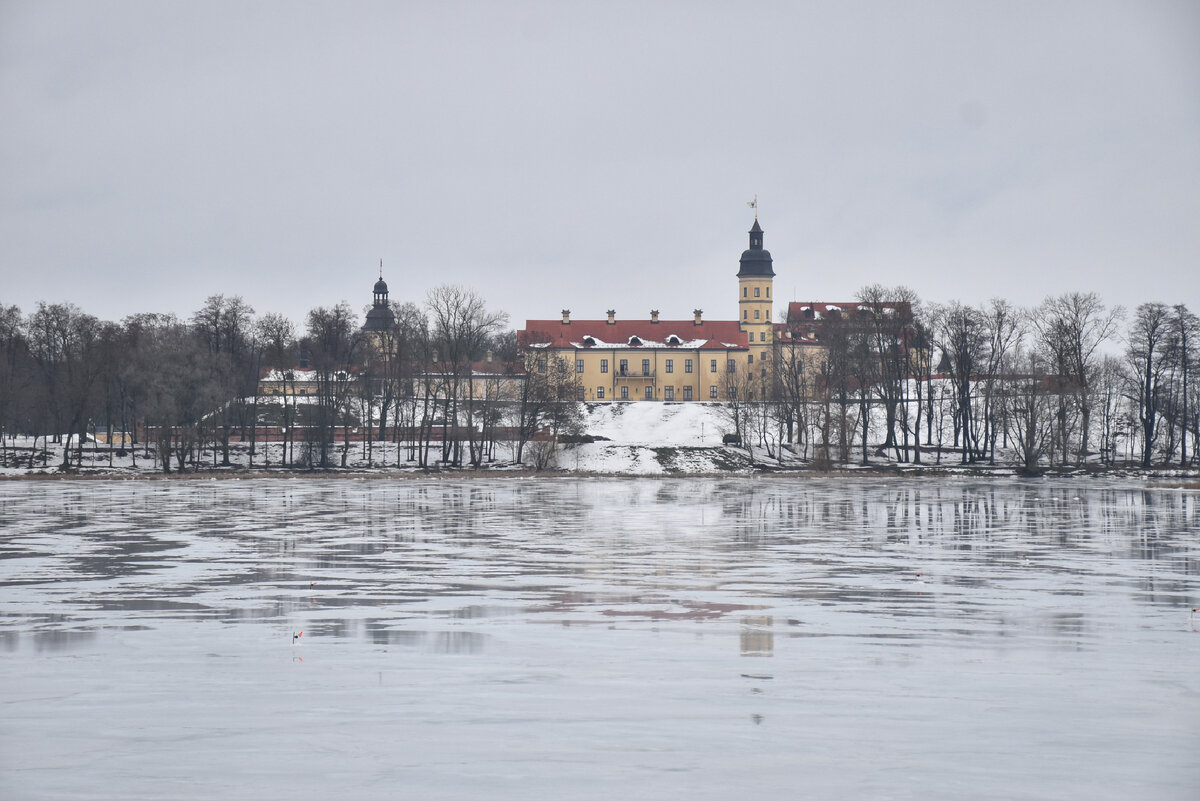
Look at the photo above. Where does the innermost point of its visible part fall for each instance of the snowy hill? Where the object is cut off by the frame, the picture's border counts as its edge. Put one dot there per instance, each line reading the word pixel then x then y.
pixel 653 438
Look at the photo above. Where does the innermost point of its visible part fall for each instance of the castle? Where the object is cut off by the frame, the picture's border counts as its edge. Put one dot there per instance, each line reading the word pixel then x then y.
pixel 680 360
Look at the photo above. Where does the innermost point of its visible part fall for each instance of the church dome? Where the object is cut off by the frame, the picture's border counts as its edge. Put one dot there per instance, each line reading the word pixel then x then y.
pixel 755 260
pixel 379 318
pixel 381 287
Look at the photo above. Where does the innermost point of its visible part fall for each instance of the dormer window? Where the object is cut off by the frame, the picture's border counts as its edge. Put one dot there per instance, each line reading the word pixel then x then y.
pixel 673 340
pixel 635 341
pixel 589 342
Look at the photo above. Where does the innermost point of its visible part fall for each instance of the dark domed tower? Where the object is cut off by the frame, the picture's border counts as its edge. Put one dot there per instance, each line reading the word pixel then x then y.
pixel 380 317
pixel 754 289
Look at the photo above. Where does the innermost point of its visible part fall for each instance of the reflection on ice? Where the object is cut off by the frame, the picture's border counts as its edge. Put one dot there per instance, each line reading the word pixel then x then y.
pixel 575 638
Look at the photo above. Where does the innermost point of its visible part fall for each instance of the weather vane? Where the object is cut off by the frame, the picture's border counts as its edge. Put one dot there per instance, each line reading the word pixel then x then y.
pixel 754 205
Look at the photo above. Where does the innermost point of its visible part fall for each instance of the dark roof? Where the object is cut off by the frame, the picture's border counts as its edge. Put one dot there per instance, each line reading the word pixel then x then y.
pixel 381 287
pixel 755 260
pixel 379 318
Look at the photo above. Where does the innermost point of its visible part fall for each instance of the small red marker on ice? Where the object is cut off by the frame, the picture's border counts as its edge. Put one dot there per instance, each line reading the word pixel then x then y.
pixel 296 637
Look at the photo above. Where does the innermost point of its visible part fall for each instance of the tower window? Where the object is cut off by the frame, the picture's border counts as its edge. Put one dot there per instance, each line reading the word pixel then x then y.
pixel 756 291
pixel 744 291
pixel 756 314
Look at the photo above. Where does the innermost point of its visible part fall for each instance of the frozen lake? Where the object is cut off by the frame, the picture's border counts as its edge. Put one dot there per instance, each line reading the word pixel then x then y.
pixel 598 639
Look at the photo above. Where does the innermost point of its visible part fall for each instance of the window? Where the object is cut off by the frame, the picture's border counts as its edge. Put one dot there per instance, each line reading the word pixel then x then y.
pixel 649 393
pixel 712 366
pixel 764 374
pixel 687 393
pixel 756 314
pixel 604 365
pixel 768 291
pixel 756 291
pixel 731 367
pixel 579 365
pixel 541 365
pixel 600 393
pixel 745 314
pixel 712 392
pixel 670 365
pixel 645 367
pixel 744 290
pixel 762 336
pixel 751 358
pixel 624 393
pixel 669 393
pixel 580 394
pixel 763 357
pixel 624 366
pixel 687 365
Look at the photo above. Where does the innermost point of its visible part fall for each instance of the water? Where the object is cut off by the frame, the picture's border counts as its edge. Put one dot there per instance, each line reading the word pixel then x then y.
pixel 598 639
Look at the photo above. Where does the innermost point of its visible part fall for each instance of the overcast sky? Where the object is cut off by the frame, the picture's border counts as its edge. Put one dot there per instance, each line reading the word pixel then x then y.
pixel 595 155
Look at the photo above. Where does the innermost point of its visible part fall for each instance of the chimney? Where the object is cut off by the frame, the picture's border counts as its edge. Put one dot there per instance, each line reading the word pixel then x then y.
pixel 654 315
pixel 612 317
pixel 566 316
pixel 699 313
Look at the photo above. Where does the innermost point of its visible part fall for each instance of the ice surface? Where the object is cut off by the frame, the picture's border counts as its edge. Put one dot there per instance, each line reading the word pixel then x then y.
pixel 598 638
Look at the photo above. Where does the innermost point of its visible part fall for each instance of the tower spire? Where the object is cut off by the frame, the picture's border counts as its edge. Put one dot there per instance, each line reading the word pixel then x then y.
pixel 754 205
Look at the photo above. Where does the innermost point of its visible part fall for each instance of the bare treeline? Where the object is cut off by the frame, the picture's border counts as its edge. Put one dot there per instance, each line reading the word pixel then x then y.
pixel 1068 382
pixel 1065 383
pixel 444 379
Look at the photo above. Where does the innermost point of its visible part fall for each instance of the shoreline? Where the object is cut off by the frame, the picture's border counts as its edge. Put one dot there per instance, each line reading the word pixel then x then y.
pixel 1167 476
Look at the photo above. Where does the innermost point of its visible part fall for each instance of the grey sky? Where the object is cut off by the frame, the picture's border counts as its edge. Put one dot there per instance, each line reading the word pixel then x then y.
pixel 595 155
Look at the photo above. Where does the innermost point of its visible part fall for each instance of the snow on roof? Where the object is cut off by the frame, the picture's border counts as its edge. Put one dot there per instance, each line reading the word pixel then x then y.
pixel 678 334
pixel 289 375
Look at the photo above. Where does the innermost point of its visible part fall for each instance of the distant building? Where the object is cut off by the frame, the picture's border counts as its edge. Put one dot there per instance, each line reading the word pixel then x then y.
pixel 697 359
pixel 380 318
pixel 667 360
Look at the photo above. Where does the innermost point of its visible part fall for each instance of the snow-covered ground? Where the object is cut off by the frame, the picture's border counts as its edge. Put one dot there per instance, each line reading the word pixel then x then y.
pixel 619 439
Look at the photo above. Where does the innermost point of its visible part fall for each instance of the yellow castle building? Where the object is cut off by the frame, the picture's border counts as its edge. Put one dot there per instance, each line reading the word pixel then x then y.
pixel 670 360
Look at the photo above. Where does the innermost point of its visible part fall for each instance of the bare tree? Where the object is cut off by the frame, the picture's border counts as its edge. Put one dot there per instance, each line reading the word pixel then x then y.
pixel 1149 341
pixel 332 344
pixel 885 314
pixel 1184 332
pixel 462 327
pixel 1027 419
pixel 276 336
pixel 1071 329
